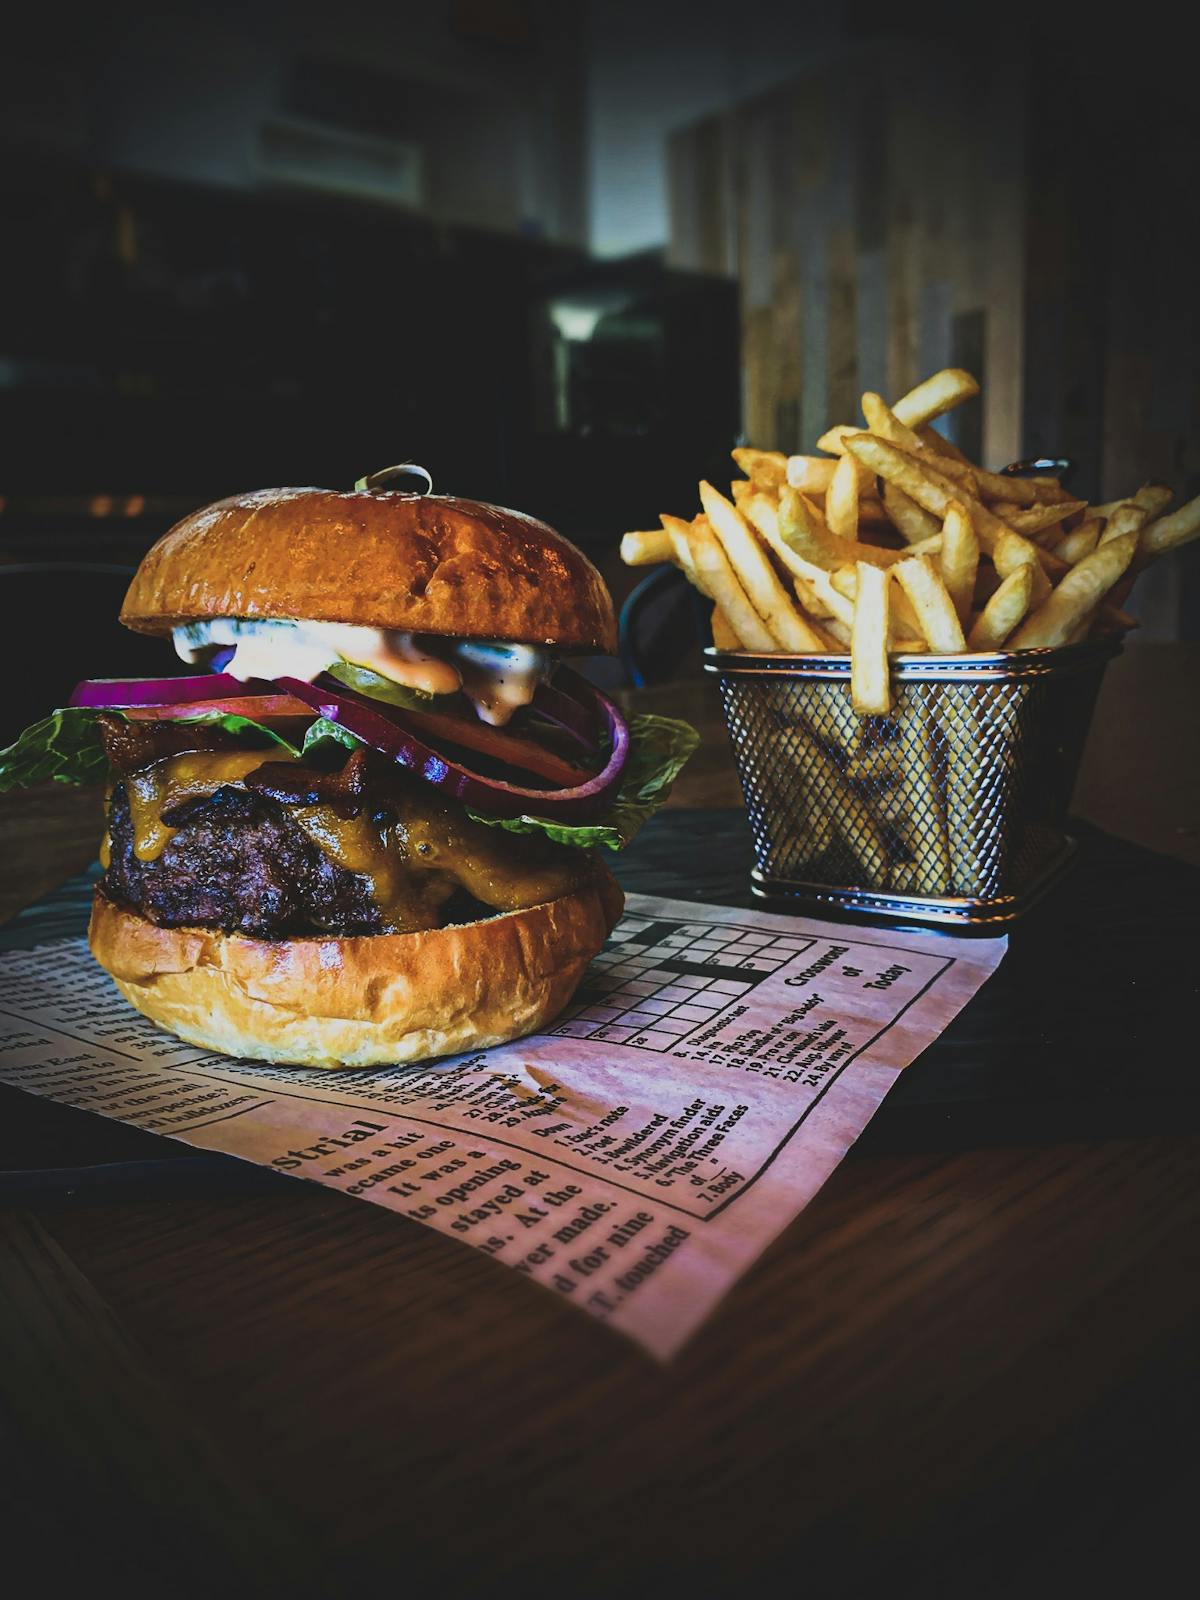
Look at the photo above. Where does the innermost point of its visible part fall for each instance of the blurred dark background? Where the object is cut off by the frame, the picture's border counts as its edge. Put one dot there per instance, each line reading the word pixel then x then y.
pixel 567 256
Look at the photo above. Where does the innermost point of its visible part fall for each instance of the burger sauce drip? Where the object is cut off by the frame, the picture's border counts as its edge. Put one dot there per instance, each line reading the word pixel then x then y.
pixel 496 676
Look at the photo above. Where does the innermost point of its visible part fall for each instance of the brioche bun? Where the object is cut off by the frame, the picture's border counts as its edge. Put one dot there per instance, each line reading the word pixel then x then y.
pixel 366 1001
pixel 418 563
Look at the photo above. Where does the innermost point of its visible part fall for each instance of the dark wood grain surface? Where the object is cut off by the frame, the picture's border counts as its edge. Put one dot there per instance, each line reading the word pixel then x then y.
pixel 968 1367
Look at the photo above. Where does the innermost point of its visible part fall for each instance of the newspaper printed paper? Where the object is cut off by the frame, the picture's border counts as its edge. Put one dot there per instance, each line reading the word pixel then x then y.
pixel 635 1159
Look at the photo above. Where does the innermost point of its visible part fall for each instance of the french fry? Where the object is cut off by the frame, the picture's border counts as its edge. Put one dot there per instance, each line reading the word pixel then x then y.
pixel 905 515
pixel 959 560
pixel 958 721
pixel 724 637
pixel 1079 592
pixel 679 532
pixel 1048 489
pixel 802 810
pixel 934 491
pixel 936 396
pixel 1167 533
pixel 1128 517
pixel 926 547
pixel 646 549
pixel 836 606
pixel 766 469
pixel 1011 490
pixel 762 513
pixel 833 439
pixel 855 820
pixel 998 487
pixel 756 575
pixel 884 422
pixel 764 516
pixel 724 634
pixel 870 686
pixel 840 633
pixel 874 755
pixel 892 786
pixel 816 830
pixel 871 514
pixel 906 624
pixel 834 442
pixel 1011 551
pixel 1003 611
pixel 841 503
pixel 919 579
pixel 918 798
pixel 1081 541
pixel 812 475
pixel 982 554
pixel 835 723
pixel 803 529
pixel 897 645
pixel 1111 619
pixel 937 444
pixel 1032 520
pixel 721 582
pixel 1082 627
pixel 1156 497
pixel 811 602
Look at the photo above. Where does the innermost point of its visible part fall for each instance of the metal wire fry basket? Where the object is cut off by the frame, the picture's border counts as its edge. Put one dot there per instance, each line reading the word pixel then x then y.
pixel 949 810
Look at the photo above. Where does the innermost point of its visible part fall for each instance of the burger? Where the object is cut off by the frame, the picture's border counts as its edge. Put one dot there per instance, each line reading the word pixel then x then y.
pixel 367 826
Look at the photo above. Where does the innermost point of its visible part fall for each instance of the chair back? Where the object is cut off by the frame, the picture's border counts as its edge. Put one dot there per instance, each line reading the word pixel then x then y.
pixel 662 622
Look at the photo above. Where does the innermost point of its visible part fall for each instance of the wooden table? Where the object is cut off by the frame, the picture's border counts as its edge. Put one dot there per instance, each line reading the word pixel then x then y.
pixel 961 1370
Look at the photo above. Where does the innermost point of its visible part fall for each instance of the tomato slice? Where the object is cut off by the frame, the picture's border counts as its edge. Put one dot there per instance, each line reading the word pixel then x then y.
pixel 472 734
pixel 258 707
pixel 468 733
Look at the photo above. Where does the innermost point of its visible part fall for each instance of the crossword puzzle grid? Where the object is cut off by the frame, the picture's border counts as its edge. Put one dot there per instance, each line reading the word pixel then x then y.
pixel 655 982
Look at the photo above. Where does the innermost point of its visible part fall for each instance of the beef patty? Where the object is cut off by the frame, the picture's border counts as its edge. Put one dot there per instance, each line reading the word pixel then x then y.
pixel 246 856
pixel 241 864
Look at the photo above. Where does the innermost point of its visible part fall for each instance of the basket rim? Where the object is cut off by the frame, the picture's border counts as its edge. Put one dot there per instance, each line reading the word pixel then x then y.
pixel 1001 664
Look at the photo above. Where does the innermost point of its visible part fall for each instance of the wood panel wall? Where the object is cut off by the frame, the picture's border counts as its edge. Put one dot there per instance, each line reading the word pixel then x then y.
pixel 904 209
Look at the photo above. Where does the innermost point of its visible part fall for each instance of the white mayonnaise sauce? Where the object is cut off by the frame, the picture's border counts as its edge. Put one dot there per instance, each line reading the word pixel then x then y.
pixel 498 678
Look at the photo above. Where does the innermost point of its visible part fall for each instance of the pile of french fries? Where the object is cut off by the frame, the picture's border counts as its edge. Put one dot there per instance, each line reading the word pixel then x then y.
pixel 893 542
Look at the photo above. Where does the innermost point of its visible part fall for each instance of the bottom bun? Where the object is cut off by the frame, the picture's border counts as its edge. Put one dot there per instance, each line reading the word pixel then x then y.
pixel 373 1000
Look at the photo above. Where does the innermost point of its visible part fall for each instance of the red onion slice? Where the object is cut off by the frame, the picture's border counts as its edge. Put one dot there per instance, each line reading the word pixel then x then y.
pixel 115 694
pixel 359 716
pixel 566 713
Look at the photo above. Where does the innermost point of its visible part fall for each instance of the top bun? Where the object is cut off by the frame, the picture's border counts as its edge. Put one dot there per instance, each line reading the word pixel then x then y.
pixel 420 563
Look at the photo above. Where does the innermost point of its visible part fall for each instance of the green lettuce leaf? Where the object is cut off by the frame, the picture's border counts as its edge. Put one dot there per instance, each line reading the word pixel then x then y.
pixel 66 746
pixel 323 730
pixel 658 749
pixel 234 724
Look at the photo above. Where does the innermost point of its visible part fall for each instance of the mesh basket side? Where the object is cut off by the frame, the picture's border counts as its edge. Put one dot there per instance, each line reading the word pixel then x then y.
pixel 961 791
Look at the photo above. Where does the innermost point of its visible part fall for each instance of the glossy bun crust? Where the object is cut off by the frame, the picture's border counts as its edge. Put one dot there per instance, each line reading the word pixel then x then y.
pixel 376 1000
pixel 423 563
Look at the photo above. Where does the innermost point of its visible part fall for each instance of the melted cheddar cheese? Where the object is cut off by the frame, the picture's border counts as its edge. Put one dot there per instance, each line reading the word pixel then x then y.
pixel 414 856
